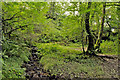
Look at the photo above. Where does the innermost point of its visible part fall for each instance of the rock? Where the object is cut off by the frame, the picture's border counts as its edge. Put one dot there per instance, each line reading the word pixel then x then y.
pixel 38 72
pixel 32 64
pixel 34 69
pixel 41 76
pixel 35 76
pixel 27 75
pixel 28 65
pixel 30 69
pixel 38 68
pixel 31 72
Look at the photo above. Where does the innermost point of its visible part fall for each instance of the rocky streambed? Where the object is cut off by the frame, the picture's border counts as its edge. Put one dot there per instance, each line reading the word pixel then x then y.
pixel 35 71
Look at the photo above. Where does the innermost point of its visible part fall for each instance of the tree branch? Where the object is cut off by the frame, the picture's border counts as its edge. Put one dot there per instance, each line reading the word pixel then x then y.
pixel 15 29
pixel 113 5
pixel 109 28
pixel 97 45
pixel 11 17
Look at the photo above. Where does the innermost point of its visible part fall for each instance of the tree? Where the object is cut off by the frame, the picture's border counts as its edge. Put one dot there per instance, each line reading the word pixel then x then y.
pixel 118 11
pixel 95 39
pixel 15 17
pixel 90 36
pixel 97 45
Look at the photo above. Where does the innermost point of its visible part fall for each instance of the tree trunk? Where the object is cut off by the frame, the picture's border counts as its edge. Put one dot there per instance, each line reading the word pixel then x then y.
pixel 90 36
pixel 82 37
pixel 118 11
pixel 97 45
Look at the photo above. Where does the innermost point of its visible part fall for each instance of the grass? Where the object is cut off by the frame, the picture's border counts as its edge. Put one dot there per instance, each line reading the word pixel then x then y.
pixel 50 48
pixel 111 53
pixel 82 68
pixel 68 62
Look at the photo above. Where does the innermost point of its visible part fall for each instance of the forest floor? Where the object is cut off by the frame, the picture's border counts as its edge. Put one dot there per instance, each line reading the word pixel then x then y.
pixel 51 66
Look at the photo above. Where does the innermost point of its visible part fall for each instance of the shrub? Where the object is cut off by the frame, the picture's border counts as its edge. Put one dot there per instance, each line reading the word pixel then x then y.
pixel 13 54
pixel 109 47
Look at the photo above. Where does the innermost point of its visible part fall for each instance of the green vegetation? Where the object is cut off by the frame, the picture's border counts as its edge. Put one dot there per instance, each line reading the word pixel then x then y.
pixel 110 48
pixel 67 35
pixel 14 54
pixel 70 63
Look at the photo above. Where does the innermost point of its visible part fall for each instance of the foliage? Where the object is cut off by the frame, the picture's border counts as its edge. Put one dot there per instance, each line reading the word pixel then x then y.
pixel 56 30
pixel 12 68
pixel 53 48
pixel 13 54
pixel 56 55
pixel 11 48
pixel 109 47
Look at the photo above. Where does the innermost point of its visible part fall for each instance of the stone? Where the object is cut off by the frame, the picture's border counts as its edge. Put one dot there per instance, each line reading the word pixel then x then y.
pixel 28 65
pixel 35 76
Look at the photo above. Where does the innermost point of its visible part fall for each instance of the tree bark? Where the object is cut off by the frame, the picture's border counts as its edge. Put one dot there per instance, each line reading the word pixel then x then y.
pixel 97 45
pixel 118 11
pixel 82 36
pixel 90 36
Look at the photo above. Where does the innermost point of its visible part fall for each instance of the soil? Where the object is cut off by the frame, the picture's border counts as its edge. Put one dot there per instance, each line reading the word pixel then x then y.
pixel 110 64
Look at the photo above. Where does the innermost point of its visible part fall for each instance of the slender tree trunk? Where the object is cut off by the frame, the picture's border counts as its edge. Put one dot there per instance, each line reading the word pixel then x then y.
pixel 90 36
pixel 118 11
pixel 97 45
pixel 82 36
pixel 82 42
